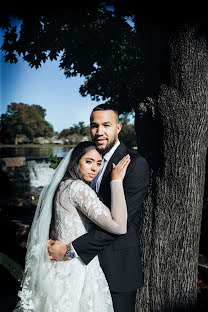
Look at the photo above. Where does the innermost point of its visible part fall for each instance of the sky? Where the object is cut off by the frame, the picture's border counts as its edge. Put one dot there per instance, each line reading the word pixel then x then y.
pixel 47 87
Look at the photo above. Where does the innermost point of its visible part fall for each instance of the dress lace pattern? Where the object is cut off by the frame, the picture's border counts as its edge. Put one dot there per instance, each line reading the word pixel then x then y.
pixel 70 285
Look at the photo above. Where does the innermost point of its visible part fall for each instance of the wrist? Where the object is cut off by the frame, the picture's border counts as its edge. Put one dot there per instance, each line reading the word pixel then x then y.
pixel 69 254
pixel 117 180
pixel 65 251
pixel 115 177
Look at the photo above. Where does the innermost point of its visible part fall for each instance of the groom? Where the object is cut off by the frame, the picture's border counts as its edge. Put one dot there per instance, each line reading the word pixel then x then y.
pixel 119 255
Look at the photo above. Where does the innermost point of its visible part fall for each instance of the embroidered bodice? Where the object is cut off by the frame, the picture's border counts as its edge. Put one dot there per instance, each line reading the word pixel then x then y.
pixel 75 204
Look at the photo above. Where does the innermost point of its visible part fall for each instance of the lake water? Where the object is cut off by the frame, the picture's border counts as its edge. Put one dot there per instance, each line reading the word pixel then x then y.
pixel 35 151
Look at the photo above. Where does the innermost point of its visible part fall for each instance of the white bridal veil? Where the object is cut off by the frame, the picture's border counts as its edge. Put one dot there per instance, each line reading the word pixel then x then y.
pixel 37 258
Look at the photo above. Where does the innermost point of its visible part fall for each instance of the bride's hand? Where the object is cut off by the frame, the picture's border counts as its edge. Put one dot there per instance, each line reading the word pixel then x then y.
pixel 119 170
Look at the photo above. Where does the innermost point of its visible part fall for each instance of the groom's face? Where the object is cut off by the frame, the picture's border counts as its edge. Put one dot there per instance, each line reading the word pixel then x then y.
pixel 104 128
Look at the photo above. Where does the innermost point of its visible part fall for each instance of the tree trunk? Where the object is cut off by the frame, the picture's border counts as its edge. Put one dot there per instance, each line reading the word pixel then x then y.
pixel 173 210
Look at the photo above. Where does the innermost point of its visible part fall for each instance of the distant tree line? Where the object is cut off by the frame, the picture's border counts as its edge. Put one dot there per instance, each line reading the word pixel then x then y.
pixel 24 120
pixel 27 122
pixel 75 133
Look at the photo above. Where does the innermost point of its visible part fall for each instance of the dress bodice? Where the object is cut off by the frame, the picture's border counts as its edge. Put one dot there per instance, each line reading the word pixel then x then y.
pixel 76 204
pixel 68 221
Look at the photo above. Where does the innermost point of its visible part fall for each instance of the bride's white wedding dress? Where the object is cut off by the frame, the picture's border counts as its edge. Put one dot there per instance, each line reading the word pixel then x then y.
pixel 71 285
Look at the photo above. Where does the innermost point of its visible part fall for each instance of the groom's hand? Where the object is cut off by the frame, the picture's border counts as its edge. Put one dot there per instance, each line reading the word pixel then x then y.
pixel 56 250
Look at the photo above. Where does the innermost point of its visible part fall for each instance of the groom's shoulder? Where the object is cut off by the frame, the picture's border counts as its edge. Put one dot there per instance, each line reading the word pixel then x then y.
pixel 138 161
pixel 135 155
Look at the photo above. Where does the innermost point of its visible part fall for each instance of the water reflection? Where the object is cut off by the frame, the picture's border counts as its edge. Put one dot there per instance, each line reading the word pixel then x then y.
pixel 40 151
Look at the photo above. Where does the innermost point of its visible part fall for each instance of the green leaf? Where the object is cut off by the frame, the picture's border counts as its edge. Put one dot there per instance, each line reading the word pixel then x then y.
pixel 54 160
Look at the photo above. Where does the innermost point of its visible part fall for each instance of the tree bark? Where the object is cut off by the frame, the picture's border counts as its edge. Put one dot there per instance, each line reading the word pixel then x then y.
pixel 172 214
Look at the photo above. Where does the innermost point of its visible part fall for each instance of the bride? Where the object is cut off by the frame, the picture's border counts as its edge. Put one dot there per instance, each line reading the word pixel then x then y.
pixel 65 211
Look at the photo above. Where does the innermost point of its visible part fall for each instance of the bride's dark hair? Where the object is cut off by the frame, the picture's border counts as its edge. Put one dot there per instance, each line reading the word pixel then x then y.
pixel 73 171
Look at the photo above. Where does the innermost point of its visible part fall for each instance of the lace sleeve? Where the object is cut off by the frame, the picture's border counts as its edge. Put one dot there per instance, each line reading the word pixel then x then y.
pixel 87 201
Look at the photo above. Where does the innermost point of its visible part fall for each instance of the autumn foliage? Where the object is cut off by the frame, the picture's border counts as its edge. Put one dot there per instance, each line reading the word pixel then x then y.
pixel 26 120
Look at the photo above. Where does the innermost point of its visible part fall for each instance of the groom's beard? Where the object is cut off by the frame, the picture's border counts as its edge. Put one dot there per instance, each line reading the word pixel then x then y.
pixel 108 147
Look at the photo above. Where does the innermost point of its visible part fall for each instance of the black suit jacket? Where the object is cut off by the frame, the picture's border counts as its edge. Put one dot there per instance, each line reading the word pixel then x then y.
pixel 119 255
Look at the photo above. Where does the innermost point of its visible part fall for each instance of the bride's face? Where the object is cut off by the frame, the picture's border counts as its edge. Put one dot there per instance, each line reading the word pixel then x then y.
pixel 89 165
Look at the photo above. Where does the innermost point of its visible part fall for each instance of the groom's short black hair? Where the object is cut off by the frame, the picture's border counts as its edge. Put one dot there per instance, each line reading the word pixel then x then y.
pixel 106 106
